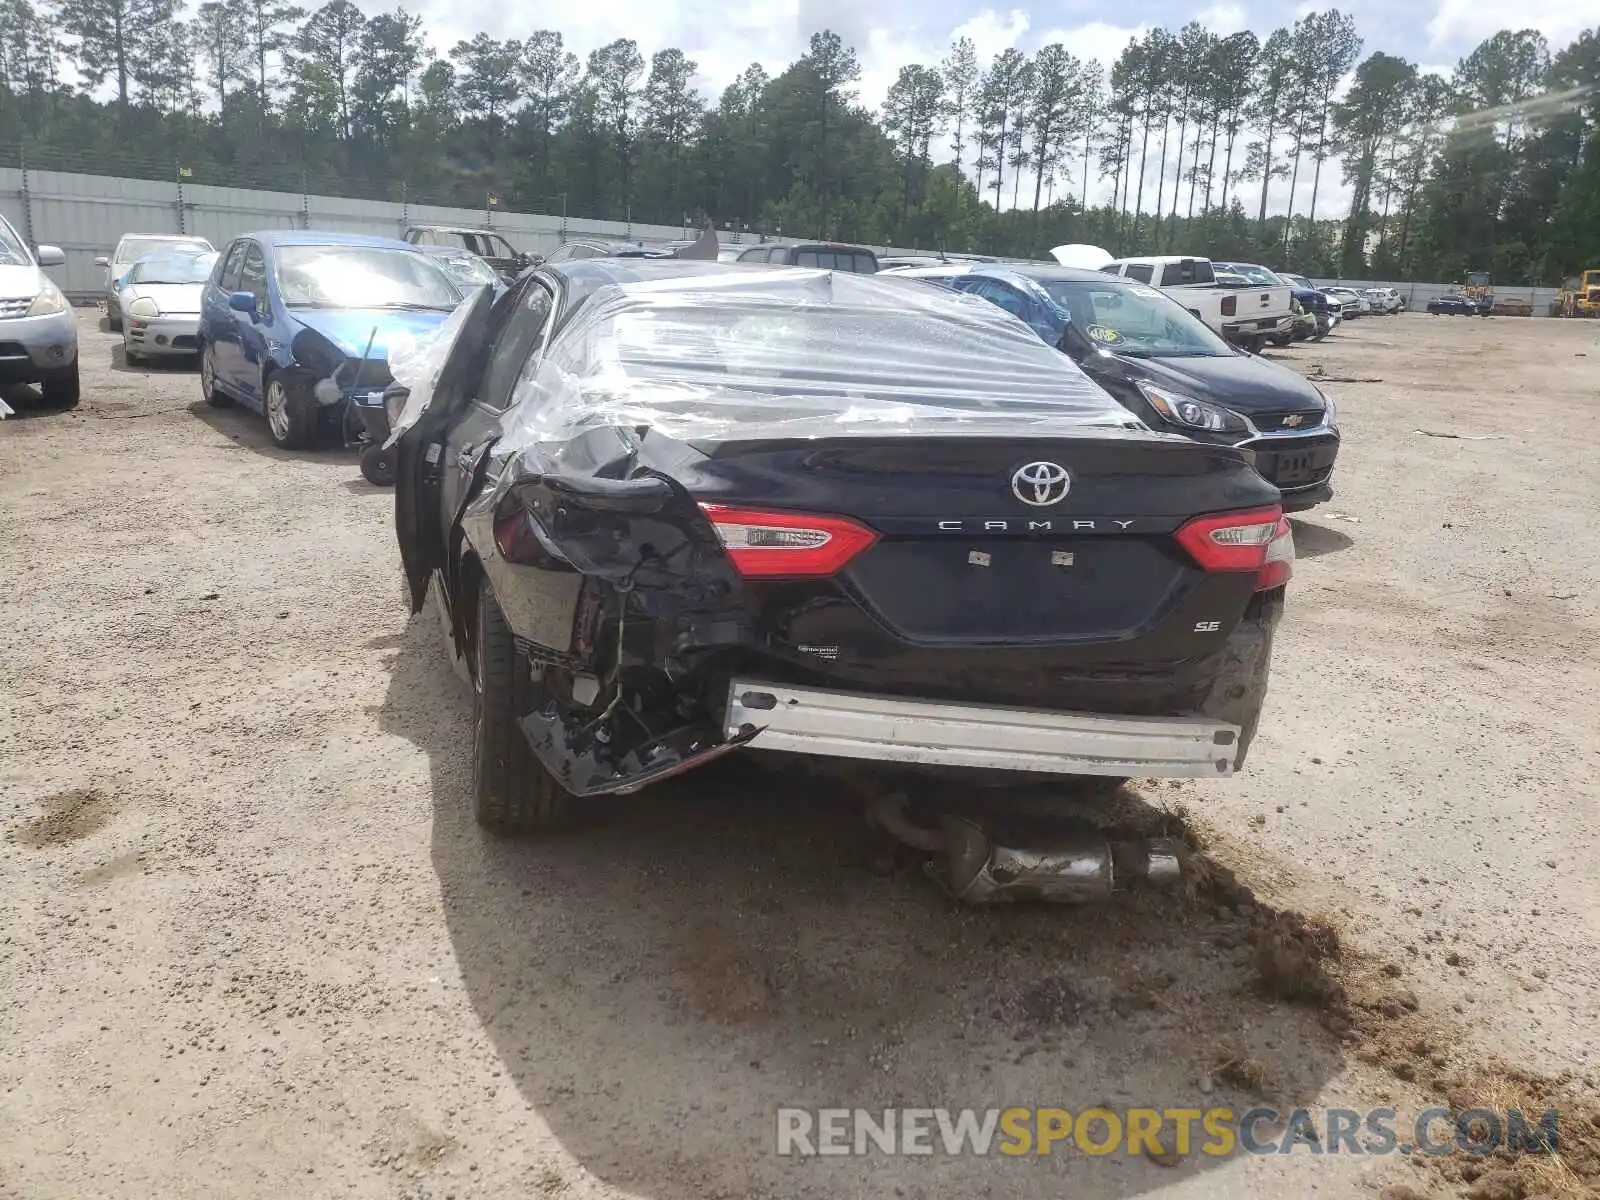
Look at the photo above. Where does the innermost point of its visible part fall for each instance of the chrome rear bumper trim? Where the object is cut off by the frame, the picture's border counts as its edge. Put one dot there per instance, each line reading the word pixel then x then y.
pixel 890 729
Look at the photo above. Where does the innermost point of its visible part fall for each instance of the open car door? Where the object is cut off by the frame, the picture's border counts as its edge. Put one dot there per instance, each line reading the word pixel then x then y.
pixel 420 444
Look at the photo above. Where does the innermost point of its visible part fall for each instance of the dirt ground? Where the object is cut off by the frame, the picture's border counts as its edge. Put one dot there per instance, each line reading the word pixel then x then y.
pixel 252 945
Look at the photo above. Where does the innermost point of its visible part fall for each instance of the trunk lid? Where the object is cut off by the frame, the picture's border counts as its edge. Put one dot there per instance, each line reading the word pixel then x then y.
pixel 1006 542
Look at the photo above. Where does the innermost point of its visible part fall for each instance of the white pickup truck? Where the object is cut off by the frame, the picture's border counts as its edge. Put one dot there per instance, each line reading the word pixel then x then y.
pixel 1244 315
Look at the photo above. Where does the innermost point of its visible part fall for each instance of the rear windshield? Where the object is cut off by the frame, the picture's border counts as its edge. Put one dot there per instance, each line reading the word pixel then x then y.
pixel 1188 270
pixel 801 354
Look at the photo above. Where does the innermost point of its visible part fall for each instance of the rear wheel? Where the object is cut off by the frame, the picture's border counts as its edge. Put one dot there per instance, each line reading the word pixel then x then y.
pixel 511 790
pixel 208 380
pixel 291 419
pixel 63 391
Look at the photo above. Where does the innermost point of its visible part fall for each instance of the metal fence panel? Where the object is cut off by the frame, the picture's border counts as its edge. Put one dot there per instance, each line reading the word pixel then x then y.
pixel 86 214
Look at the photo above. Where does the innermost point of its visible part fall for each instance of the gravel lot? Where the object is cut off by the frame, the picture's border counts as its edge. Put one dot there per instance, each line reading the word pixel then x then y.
pixel 251 944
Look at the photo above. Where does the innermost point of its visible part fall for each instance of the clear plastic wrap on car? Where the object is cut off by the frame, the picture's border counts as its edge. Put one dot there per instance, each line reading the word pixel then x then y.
pixel 800 354
pixel 415 362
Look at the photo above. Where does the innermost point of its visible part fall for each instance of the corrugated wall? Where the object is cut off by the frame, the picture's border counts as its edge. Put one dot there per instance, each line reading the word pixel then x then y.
pixel 86 214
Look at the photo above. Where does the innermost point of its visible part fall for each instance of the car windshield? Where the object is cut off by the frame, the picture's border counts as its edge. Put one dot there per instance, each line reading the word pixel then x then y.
pixel 131 250
pixel 1301 281
pixel 362 277
pixel 12 252
pixel 466 270
pixel 1134 320
pixel 173 268
pixel 1252 275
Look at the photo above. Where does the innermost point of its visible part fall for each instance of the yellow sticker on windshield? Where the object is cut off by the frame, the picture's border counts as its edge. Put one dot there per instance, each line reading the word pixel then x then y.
pixel 1105 336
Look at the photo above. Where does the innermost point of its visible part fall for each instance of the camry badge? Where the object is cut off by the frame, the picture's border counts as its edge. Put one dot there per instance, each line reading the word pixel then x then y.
pixel 1041 483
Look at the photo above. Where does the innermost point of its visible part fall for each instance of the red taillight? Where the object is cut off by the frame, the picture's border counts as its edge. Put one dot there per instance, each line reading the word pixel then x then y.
pixel 1257 540
pixel 1279 563
pixel 1230 305
pixel 518 541
pixel 773 544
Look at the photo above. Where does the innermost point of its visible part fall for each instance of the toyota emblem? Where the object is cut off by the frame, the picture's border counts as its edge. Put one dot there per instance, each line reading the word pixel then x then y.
pixel 1041 483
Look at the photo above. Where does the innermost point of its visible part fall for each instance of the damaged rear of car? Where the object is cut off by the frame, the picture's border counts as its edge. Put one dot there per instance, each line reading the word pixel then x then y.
pixel 673 510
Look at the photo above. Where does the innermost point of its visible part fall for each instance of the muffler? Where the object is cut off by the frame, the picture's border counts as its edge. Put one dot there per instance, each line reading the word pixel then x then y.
pixel 978 871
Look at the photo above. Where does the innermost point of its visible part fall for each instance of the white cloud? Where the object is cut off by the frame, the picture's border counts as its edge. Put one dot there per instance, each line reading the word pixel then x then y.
pixel 1465 23
pixel 1223 19
pixel 1096 40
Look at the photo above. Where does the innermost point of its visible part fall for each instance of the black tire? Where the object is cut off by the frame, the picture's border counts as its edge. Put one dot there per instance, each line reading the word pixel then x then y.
pixel 378 466
pixel 511 790
pixel 1281 339
pixel 114 324
pixel 63 391
pixel 208 380
pixel 300 424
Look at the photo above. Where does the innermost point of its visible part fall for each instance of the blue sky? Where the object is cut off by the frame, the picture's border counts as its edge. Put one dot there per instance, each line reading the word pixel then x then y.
pixel 890 33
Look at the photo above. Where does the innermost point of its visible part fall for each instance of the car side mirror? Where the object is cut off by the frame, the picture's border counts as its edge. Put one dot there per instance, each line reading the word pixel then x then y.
pixel 244 302
pixel 102 261
pixel 50 256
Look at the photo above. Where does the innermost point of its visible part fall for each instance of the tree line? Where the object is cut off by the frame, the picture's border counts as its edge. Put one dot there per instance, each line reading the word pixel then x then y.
pixel 1186 143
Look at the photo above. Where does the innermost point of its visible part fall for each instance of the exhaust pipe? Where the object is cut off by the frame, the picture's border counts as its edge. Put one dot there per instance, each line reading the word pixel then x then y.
pixel 978 871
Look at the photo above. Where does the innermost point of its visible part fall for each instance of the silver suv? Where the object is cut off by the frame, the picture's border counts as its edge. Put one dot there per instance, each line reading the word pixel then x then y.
pixel 38 332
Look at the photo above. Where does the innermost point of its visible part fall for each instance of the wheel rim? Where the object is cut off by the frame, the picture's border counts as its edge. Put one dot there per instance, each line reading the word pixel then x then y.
pixel 208 374
pixel 278 410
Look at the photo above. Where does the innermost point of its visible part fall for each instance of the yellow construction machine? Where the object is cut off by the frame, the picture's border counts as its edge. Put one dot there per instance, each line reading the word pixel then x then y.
pixel 1580 296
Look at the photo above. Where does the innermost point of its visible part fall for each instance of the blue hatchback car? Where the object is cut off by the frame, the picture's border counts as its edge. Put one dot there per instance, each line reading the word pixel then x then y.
pixel 297 325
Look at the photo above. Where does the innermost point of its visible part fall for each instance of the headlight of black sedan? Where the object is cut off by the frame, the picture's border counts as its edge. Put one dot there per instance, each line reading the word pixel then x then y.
pixel 1188 412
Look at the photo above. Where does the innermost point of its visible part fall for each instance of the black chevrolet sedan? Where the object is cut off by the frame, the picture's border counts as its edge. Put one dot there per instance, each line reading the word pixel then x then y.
pixel 1168 368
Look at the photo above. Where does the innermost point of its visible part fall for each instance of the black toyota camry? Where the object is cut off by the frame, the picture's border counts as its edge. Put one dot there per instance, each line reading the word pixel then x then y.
pixel 1173 372
pixel 669 510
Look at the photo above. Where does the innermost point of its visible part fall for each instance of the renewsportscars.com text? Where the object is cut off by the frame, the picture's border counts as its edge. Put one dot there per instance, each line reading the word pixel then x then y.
pixel 1218 1132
